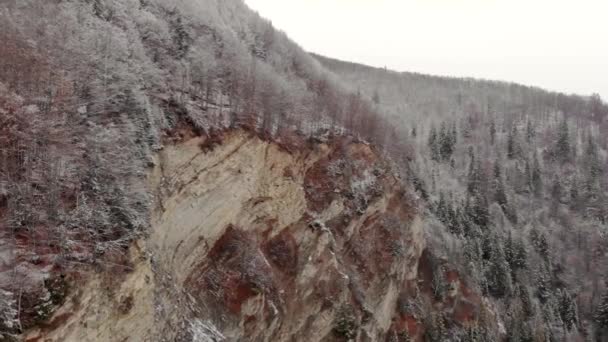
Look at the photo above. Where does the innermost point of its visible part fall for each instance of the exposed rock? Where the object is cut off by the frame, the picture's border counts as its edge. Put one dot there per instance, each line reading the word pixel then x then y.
pixel 232 255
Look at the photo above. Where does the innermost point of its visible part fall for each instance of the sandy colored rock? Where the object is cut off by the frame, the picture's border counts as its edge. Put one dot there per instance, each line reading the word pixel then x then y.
pixel 238 251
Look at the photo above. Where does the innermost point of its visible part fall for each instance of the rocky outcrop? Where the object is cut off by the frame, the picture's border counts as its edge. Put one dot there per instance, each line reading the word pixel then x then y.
pixel 251 241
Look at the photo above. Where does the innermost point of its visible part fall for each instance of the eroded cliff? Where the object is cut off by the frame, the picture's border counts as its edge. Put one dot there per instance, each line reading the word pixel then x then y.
pixel 255 240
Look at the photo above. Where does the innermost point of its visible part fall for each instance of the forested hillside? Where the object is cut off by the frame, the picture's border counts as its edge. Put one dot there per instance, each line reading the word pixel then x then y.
pixel 92 91
pixel 515 180
pixel 180 170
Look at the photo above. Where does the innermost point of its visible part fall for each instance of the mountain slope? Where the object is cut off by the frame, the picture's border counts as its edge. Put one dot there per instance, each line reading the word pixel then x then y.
pixel 259 243
pixel 179 170
pixel 514 179
pixel 115 223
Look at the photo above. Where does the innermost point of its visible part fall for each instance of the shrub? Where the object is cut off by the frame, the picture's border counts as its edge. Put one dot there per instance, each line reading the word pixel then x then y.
pixel 345 324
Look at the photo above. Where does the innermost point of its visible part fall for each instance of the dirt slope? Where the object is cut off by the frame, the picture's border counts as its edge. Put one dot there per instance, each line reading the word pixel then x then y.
pixel 253 242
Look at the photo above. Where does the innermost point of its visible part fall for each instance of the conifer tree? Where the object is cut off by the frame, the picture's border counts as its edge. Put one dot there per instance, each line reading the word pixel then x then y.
pixel 575 195
pixel 514 330
pixel 436 329
pixel 563 147
pixel 537 184
pixel 511 143
pixel 530 131
pixel 593 169
pixel 539 242
pixel 520 255
pixel 567 309
pixel 500 195
pixel 492 132
pixel 444 142
pixel 543 283
pixel 98 9
pixel 528 175
pixel 526 333
pixel 433 143
pixel 441 207
pixel 471 177
pixel 181 36
pixel 601 314
pixel 526 301
pixel 498 271
pixel 556 192
pixel 473 334
pixel 509 250
pixel 519 330
pixel 477 209
pixel 516 253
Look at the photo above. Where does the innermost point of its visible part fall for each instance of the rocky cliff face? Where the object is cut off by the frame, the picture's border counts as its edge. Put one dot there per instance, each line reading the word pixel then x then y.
pixel 255 240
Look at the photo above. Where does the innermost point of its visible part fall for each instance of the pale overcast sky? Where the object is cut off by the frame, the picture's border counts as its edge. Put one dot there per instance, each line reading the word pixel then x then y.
pixel 560 45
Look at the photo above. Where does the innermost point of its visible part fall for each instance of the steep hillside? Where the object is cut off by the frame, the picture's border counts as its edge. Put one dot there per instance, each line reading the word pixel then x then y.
pixel 514 179
pixel 180 170
pixel 252 242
